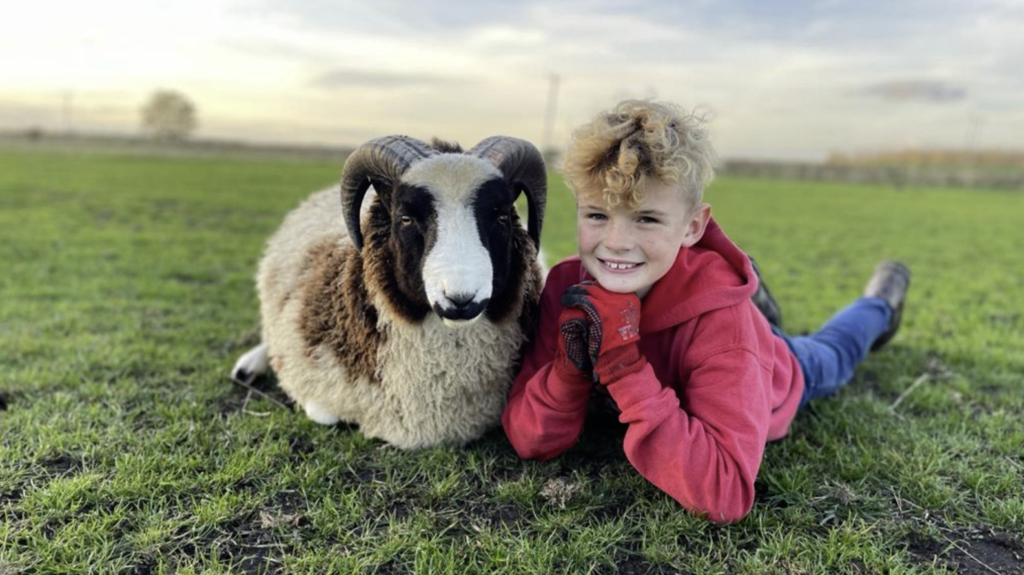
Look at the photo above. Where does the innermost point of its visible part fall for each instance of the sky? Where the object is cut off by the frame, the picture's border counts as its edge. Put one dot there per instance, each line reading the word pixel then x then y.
pixel 791 79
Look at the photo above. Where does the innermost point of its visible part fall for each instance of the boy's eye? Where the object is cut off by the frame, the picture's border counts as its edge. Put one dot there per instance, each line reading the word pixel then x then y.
pixel 647 220
pixel 596 216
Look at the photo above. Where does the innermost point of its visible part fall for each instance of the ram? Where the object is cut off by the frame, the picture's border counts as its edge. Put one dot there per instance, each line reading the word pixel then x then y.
pixel 406 317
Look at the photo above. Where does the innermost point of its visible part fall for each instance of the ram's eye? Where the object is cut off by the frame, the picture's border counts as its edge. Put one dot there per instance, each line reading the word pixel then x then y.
pixel 503 219
pixel 406 220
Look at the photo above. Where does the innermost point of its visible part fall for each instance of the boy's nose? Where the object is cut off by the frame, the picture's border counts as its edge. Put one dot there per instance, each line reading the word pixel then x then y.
pixel 619 237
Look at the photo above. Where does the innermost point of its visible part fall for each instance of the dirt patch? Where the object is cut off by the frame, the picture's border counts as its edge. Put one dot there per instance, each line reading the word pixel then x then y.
pixel 634 566
pixel 61 465
pixel 972 552
pixel 301 449
pixel 262 545
pixel 53 467
pixel 257 542
pixel 9 498
pixel 9 398
pixel 241 395
pixel 626 559
pixel 470 519
pixel 146 566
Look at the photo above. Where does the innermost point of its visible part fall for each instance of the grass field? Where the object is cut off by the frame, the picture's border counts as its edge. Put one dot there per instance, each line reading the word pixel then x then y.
pixel 126 294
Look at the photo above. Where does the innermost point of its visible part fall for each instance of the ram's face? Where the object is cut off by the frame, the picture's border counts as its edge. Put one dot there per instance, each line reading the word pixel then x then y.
pixel 452 216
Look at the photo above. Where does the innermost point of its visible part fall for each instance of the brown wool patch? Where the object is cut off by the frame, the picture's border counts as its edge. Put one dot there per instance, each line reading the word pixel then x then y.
pixel 506 300
pixel 380 269
pixel 529 315
pixel 445 147
pixel 521 294
pixel 336 310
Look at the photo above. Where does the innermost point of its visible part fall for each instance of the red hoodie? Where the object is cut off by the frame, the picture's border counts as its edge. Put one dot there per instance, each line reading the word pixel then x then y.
pixel 717 385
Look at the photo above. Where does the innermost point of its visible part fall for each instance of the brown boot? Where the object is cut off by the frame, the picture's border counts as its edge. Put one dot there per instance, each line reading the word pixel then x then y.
pixel 890 282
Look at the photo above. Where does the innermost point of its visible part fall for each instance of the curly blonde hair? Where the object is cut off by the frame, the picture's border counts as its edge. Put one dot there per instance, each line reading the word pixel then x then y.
pixel 637 144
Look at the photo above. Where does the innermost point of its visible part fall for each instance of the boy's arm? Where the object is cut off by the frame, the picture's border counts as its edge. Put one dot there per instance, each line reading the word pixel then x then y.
pixel 706 450
pixel 547 406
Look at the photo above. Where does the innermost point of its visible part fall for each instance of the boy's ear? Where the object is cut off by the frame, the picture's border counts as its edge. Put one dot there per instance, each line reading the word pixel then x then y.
pixel 696 225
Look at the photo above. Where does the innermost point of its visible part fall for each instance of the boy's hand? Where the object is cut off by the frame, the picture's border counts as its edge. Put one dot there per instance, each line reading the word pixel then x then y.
pixel 614 329
pixel 573 358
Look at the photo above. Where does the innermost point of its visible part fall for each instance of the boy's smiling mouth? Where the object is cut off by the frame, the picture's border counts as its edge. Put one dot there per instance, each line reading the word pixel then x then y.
pixel 618 266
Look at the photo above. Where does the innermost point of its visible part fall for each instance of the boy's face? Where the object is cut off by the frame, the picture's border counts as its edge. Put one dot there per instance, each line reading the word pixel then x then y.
pixel 626 249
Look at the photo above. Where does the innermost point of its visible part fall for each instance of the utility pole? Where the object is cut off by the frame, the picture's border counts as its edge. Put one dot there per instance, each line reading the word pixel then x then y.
pixel 549 115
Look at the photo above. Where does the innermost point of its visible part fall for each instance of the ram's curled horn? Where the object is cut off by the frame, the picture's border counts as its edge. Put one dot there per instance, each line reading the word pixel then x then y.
pixel 523 168
pixel 383 160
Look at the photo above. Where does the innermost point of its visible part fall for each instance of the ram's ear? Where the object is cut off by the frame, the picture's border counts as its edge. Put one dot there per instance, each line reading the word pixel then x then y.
pixel 523 168
pixel 385 189
pixel 358 205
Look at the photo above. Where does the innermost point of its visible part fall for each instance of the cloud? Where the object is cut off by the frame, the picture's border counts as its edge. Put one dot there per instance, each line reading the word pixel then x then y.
pixel 822 74
pixel 354 78
pixel 921 90
pixel 406 18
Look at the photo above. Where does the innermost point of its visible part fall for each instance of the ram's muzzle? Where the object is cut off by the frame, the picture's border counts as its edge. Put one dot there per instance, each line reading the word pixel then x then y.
pixel 457 272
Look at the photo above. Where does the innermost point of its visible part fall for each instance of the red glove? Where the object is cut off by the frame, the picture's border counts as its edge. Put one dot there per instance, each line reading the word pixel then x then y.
pixel 572 361
pixel 614 329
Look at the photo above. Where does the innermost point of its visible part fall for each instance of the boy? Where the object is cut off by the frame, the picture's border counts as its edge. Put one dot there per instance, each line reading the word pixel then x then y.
pixel 658 309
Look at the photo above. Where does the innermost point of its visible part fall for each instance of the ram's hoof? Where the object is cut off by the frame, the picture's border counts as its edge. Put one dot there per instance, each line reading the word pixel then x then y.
pixel 251 365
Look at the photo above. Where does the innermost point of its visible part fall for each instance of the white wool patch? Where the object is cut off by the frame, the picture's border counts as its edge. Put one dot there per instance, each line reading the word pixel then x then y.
pixel 449 385
pixel 453 177
pixel 458 264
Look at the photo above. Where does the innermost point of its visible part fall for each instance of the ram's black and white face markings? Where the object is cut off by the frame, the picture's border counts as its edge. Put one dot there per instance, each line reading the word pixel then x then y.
pixel 494 212
pixel 412 221
pixel 457 268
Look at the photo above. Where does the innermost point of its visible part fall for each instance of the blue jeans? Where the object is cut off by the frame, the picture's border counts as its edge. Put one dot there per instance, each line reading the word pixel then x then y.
pixel 827 357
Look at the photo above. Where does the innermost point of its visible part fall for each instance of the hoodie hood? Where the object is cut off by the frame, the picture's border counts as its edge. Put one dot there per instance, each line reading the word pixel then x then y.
pixel 711 274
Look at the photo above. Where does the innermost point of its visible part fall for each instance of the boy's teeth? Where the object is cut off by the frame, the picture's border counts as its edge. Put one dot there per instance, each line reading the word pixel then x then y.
pixel 616 266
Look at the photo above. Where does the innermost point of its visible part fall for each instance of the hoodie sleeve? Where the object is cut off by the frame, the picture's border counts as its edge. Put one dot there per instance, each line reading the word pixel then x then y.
pixel 545 413
pixel 703 444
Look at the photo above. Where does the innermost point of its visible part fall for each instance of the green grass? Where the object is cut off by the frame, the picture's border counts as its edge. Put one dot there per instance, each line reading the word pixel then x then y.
pixel 126 294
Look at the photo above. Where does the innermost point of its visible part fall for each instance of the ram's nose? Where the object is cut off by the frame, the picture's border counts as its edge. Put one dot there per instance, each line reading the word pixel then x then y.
pixel 458 308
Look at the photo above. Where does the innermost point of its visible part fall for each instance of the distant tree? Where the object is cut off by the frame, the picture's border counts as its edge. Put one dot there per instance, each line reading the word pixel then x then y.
pixel 169 115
